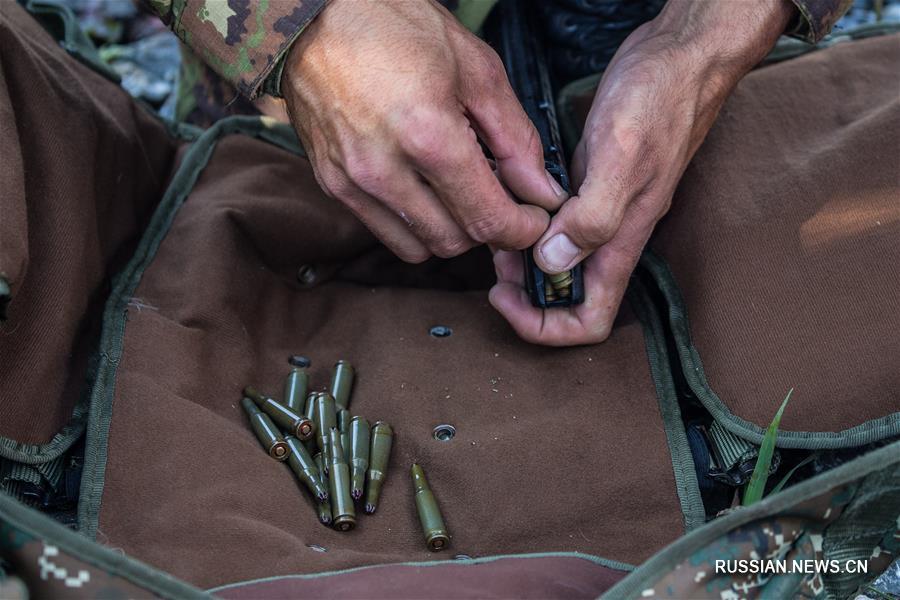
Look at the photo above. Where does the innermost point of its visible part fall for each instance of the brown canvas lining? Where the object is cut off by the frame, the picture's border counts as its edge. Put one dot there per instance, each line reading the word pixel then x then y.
pixel 784 239
pixel 73 205
pixel 783 248
pixel 220 308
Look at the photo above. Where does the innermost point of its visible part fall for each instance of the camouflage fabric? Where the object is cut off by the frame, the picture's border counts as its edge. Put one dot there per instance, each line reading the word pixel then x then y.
pixel 817 18
pixel 236 48
pixel 40 558
pixel 242 41
pixel 849 515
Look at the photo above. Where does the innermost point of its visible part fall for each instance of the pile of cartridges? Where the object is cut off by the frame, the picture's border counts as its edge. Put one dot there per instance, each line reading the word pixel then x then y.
pixel 336 456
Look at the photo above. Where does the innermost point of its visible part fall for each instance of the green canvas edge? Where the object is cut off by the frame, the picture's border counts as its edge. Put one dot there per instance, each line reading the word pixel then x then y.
pixel 605 562
pixel 692 366
pixel 116 314
pixel 666 559
pixel 40 526
pixel 686 484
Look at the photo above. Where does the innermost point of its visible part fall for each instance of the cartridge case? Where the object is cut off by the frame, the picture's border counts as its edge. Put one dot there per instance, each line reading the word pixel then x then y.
pixel 343 419
pixel 382 438
pixel 265 431
pixel 288 420
pixel 324 508
pixel 304 467
pixel 296 385
pixel 342 509
pixel 312 444
pixel 326 419
pixel 359 455
pixel 342 384
pixel 436 536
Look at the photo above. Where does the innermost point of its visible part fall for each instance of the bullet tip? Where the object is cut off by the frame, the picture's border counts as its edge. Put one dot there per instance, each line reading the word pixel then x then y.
pixel 356 494
pixel 370 509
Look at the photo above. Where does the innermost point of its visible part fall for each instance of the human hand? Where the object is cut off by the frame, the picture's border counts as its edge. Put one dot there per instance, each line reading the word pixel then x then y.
pixel 653 107
pixel 389 100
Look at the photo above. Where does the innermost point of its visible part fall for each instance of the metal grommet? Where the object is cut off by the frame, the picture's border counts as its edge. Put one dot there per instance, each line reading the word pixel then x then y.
pixel 440 331
pixel 462 557
pixel 306 274
pixel 296 360
pixel 444 433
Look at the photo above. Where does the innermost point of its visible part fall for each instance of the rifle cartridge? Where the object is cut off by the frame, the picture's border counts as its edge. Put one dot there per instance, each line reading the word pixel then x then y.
pixel 265 431
pixel 382 438
pixel 324 508
pixel 295 386
pixel 326 420
pixel 342 384
pixel 312 444
pixel 359 455
pixel 436 536
pixel 288 420
pixel 343 418
pixel 304 467
pixel 342 509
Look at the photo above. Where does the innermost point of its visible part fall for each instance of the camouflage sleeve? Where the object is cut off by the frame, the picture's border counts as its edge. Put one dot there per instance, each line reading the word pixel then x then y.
pixel 244 41
pixel 816 18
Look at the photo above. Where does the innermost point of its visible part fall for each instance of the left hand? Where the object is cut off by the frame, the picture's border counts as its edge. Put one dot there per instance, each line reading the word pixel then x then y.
pixel 656 102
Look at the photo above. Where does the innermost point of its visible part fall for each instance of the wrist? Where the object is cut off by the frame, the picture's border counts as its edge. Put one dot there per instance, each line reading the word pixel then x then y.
pixel 723 40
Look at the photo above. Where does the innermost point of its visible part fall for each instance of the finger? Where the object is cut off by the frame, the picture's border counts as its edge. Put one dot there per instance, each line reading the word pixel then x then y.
pixel 592 218
pixel 384 224
pixel 551 327
pixel 446 153
pixel 411 198
pixel 511 136
pixel 509 267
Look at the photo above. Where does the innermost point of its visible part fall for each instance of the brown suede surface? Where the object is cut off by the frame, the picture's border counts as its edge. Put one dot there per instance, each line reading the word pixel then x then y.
pixel 556 449
pixel 522 578
pixel 784 238
pixel 81 168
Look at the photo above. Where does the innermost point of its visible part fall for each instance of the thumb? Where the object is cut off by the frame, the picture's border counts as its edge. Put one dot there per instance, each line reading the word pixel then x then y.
pixel 583 224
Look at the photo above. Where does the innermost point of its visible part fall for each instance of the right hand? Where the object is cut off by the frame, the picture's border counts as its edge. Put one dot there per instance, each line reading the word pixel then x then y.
pixel 390 100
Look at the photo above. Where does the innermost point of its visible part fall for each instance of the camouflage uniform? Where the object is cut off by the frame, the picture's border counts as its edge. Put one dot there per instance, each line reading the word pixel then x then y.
pixel 235 49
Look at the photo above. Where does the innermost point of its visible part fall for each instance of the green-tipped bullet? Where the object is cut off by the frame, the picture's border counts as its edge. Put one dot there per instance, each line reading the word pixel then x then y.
pixel 379 454
pixel 342 509
pixel 324 508
pixel 436 536
pixel 295 386
pixel 359 455
pixel 288 420
pixel 304 467
pixel 326 419
pixel 266 432
pixel 342 384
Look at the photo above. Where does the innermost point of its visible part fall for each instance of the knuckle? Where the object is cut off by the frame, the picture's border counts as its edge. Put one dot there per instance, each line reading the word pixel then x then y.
pixel 451 247
pixel 420 132
pixel 487 227
pixel 365 173
pixel 333 182
pixel 491 67
pixel 601 226
pixel 412 255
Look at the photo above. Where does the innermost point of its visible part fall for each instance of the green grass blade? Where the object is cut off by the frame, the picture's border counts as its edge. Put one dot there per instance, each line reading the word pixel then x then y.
pixel 757 485
pixel 790 474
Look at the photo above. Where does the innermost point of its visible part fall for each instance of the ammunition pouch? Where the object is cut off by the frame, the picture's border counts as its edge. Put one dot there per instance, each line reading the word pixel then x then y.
pixel 217 257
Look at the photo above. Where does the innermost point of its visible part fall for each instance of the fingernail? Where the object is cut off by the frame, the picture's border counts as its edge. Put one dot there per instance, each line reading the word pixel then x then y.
pixel 559 251
pixel 557 189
